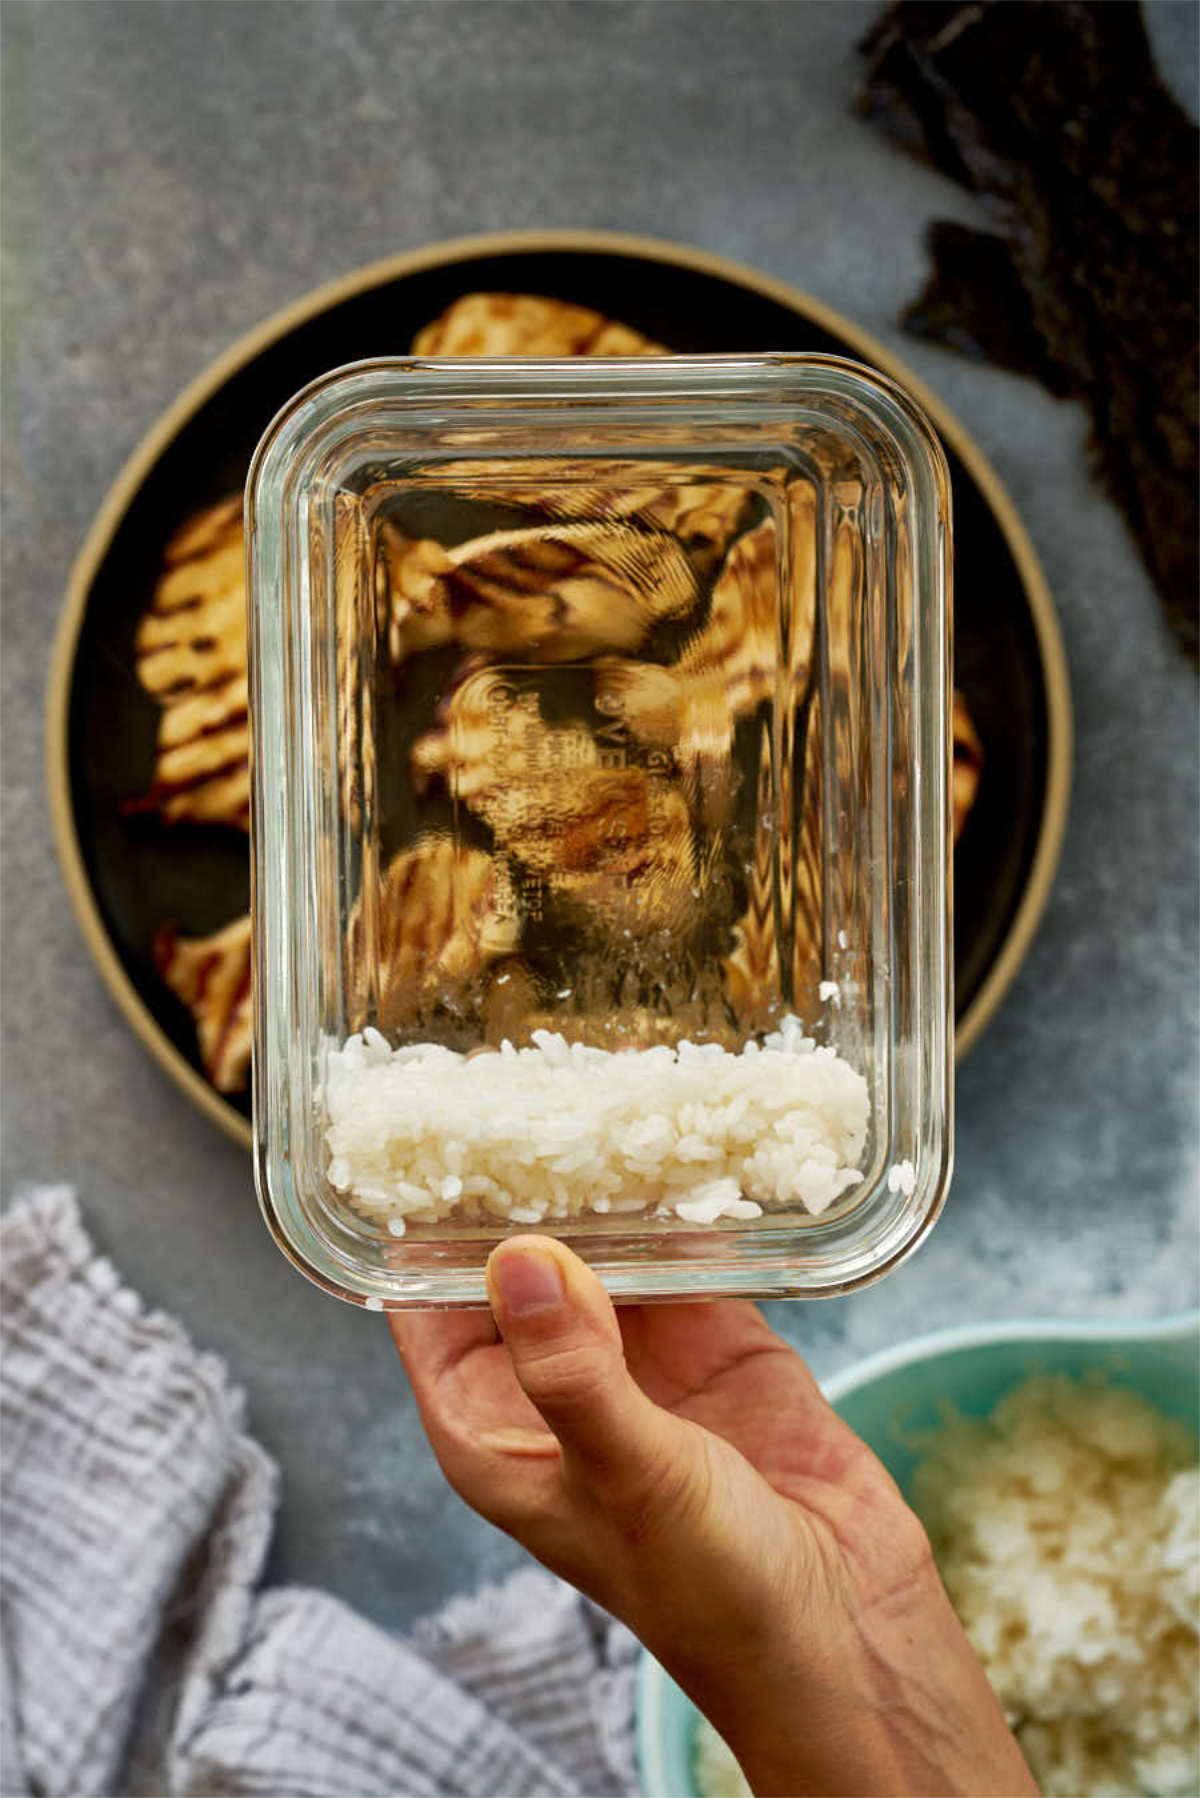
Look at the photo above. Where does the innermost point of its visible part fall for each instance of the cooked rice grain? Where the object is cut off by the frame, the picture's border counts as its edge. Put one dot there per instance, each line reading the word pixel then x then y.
pixel 1067 1529
pixel 557 1130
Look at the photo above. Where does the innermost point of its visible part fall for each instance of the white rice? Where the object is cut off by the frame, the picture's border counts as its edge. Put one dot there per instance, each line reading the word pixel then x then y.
pixel 902 1177
pixel 558 1130
pixel 1067 1529
pixel 714 1767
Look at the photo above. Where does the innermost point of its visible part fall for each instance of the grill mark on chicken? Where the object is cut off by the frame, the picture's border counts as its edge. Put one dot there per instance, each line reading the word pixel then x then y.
pixel 211 975
pixel 442 913
pixel 738 639
pixel 194 634
pixel 751 969
pixel 190 656
pixel 725 672
pixel 554 594
pixel 702 515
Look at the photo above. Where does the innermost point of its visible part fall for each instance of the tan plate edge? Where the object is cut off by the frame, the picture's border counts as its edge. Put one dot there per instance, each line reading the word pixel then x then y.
pixel 171 422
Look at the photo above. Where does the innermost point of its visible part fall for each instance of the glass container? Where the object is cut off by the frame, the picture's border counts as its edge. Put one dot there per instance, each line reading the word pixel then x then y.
pixel 607 700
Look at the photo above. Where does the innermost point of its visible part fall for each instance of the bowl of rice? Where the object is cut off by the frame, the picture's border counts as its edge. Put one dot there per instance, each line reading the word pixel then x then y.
pixel 1055 1468
pixel 601 823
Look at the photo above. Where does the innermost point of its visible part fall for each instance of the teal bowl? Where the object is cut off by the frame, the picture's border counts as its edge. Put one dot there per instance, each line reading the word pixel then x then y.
pixel 889 1396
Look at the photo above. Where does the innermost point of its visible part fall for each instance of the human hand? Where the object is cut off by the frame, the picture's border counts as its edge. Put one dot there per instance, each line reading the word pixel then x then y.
pixel 679 1465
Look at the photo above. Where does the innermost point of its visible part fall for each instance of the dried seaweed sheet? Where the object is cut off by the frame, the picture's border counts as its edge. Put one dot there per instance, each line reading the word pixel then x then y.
pixel 1052 112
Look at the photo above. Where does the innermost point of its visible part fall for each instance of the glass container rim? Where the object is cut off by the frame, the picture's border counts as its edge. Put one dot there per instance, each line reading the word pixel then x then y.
pixel 299 423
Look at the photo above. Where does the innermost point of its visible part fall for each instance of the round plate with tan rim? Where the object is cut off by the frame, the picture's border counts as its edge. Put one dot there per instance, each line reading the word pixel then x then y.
pixel 127 874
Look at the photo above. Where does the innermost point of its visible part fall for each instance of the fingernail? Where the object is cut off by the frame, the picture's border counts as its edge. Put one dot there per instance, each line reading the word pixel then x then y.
pixel 527 1282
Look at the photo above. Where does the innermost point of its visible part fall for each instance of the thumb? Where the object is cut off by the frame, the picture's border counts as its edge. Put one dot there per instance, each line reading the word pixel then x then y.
pixel 560 1329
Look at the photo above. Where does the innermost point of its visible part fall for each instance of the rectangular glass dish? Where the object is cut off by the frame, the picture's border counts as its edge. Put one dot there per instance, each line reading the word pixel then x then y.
pixel 601 828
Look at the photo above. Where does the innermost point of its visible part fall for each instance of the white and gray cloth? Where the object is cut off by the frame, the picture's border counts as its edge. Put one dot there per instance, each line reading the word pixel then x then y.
pixel 137 1654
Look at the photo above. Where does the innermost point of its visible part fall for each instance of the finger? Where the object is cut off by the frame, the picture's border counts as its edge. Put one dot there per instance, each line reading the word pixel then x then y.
pixel 560 1329
pixel 702 1360
pixel 678 1352
pixel 432 1343
pixel 464 1385
pixel 470 1403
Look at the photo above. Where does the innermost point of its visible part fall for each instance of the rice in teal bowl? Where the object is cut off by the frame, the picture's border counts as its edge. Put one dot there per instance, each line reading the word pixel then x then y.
pixel 1055 1467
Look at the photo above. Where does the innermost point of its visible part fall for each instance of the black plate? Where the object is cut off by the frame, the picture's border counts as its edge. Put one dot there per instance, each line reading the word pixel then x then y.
pixel 129 873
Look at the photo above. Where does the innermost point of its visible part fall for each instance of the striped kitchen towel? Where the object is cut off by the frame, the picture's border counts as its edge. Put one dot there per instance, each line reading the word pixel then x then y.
pixel 138 1655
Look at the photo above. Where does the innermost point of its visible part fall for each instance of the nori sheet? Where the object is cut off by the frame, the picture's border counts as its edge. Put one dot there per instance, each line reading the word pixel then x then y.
pixel 1051 111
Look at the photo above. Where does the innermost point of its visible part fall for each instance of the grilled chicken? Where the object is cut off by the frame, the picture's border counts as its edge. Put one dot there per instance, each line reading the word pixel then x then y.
pixel 686 721
pixel 733 652
pixel 737 642
pixel 618 552
pixel 521 324
pixel 441 913
pixel 751 969
pixel 202 769
pixel 618 848
pixel 563 801
pixel 615 841
pixel 701 514
pixel 194 635
pixel 212 977
pixel 725 672
pixel 554 594
pixel 190 651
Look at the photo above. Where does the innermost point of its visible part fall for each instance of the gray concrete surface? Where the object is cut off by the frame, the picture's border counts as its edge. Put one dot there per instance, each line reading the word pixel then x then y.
pixel 173 173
